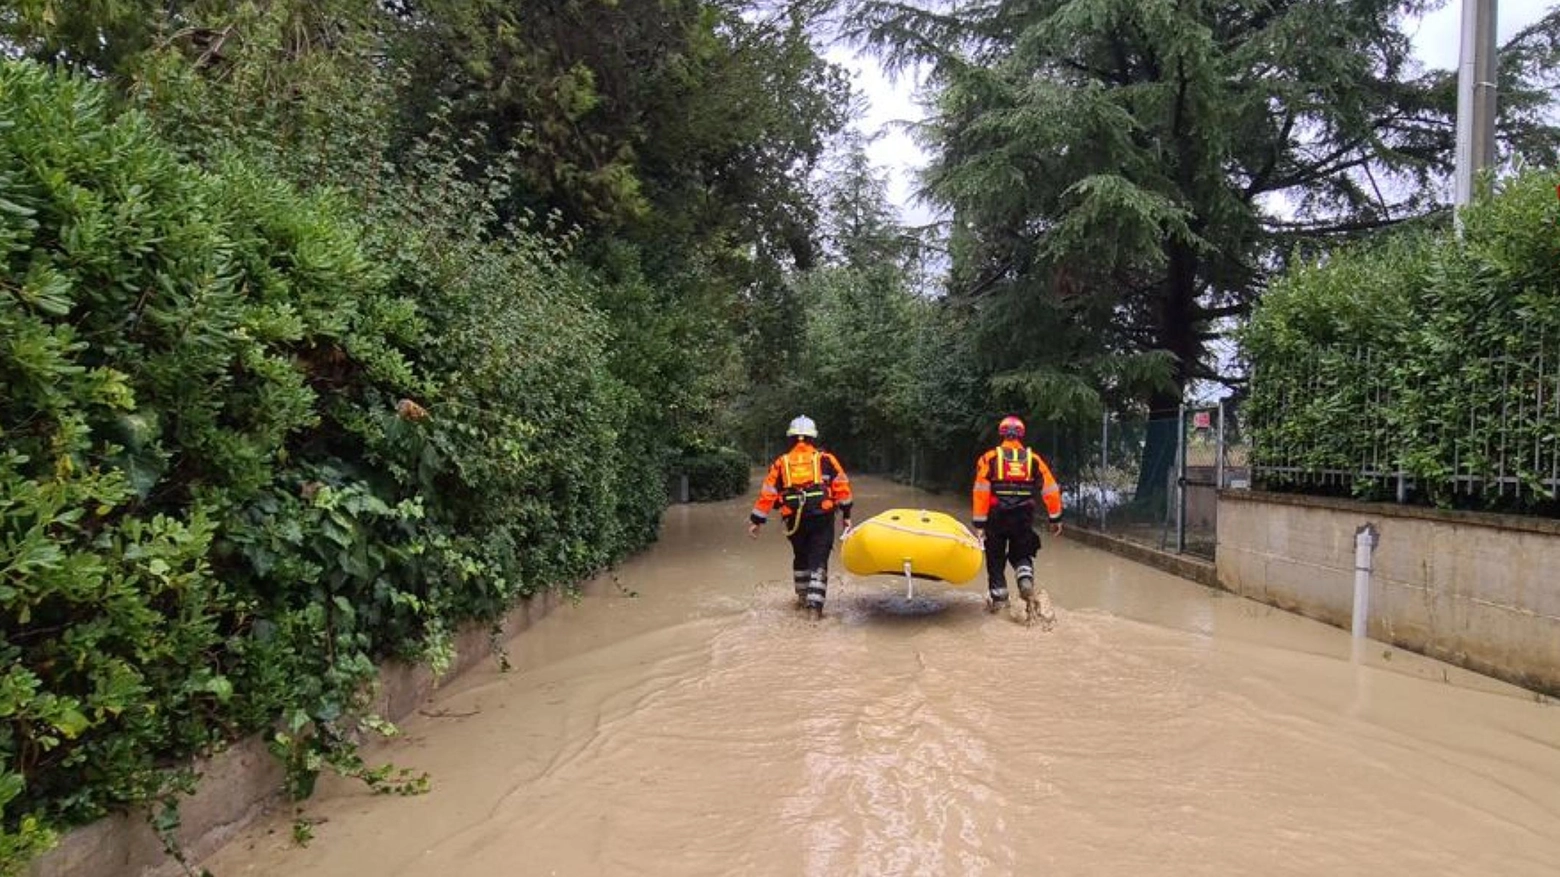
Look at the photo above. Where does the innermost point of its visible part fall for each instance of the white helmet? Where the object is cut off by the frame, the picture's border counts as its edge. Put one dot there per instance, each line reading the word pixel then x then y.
pixel 803 426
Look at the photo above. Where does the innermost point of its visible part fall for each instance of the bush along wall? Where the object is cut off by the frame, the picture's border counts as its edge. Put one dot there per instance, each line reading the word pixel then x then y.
pixel 713 474
pixel 1423 362
pixel 252 441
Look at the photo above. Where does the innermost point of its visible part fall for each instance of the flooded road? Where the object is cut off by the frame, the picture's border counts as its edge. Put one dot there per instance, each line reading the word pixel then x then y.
pixel 688 721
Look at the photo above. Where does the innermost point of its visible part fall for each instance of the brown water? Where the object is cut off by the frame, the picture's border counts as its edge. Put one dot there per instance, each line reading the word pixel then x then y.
pixel 703 727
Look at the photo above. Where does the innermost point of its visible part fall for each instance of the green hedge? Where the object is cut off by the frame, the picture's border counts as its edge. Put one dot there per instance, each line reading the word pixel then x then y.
pixel 1420 354
pixel 255 441
pixel 713 475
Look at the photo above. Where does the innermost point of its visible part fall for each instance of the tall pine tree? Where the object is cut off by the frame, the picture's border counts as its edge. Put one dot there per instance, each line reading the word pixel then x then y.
pixel 1123 175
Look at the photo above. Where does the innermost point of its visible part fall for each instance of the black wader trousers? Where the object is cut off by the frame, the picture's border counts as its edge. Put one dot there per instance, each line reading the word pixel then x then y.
pixel 1010 538
pixel 810 547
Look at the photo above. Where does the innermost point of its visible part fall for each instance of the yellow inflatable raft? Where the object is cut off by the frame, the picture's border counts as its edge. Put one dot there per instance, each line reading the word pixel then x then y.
pixel 916 544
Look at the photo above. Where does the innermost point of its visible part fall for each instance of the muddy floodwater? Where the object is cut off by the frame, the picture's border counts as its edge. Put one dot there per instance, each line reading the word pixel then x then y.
pixel 686 720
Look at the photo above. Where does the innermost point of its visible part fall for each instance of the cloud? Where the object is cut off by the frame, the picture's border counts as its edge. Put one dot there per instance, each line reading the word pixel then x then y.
pixel 889 105
pixel 1438 38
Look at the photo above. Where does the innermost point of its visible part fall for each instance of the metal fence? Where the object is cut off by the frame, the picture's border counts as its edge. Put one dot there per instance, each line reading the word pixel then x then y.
pixel 1155 479
pixel 1481 435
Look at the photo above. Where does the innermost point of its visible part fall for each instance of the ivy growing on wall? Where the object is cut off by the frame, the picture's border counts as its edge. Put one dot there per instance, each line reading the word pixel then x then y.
pixel 256 440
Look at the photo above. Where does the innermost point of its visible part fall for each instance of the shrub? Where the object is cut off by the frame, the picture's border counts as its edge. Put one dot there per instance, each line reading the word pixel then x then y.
pixel 713 475
pixel 178 343
pixel 256 440
pixel 1421 355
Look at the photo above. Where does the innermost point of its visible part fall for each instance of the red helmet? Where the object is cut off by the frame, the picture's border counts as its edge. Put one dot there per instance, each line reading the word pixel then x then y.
pixel 1011 427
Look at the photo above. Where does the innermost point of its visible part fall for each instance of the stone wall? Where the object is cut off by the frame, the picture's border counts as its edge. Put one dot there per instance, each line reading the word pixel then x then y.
pixel 1477 590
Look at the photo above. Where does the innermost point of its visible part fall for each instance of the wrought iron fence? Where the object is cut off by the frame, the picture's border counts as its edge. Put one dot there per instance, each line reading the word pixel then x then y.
pixel 1348 423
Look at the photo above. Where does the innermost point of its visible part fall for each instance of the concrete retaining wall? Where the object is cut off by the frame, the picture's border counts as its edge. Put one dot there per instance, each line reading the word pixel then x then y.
pixel 1477 590
pixel 1195 569
pixel 238 784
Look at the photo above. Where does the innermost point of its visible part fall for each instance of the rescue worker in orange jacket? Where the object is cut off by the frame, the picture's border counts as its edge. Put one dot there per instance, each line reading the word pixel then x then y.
pixel 808 485
pixel 1010 481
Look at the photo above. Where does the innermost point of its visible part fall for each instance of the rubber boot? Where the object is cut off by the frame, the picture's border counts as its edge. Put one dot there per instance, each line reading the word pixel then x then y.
pixel 817 588
pixel 997 599
pixel 1026 591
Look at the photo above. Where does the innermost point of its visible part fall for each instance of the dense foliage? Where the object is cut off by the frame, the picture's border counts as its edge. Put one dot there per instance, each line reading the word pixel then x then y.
pixel 221 502
pixel 1420 356
pixel 888 371
pixel 715 474
pixel 330 326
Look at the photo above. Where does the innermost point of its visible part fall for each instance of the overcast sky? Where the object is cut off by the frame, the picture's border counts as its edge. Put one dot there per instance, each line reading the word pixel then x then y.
pixel 1436 42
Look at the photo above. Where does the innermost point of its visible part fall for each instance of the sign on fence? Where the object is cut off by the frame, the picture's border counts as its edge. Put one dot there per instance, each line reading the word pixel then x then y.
pixel 1202 420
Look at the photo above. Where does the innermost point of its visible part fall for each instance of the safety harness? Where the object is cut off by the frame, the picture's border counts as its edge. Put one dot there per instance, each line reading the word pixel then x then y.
pixel 801 483
pixel 1013 483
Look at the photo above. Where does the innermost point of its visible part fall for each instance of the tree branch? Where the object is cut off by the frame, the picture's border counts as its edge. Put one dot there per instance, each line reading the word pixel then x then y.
pixel 1234 310
pixel 1205 374
pixel 1316 172
pixel 1105 75
pixel 1327 165
pixel 1301 229
pixel 1260 178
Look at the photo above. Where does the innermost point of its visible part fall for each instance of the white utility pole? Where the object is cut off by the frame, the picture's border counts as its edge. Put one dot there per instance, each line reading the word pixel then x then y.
pixel 1475 97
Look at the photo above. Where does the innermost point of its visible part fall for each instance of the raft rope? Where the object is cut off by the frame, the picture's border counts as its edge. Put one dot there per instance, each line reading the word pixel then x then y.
pixel 914 532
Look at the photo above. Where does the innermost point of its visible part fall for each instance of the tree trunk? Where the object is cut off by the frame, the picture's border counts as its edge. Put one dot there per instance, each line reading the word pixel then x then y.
pixel 1177 332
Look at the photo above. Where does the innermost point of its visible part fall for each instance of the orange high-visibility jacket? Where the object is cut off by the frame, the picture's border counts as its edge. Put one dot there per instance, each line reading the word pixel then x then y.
pixel 803 479
pixel 1011 476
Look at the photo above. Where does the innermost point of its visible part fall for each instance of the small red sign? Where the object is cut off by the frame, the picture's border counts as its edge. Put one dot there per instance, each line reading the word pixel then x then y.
pixel 1202 419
